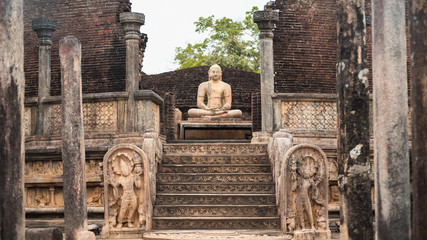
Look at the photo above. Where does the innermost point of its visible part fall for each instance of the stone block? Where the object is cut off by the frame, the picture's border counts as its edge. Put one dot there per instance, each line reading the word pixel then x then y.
pixel 43 234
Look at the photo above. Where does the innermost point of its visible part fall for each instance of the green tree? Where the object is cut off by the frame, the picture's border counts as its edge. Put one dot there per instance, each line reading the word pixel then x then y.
pixel 233 44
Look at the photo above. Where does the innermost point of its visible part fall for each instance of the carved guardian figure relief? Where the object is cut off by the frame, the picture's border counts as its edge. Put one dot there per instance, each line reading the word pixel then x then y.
pixel 126 191
pixel 305 179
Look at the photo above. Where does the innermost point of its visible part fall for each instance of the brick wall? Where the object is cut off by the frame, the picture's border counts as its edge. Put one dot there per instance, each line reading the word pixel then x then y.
pixel 256 112
pixel 184 84
pixel 305 46
pixel 96 24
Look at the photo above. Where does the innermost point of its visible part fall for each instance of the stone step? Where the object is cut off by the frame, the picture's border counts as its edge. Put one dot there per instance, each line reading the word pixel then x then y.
pixel 240 234
pixel 215 159
pixel 215 148
pixel 213 199
pixel 214 168
pixel 201 187
pixel 215 211
pixel 215 177
pixel 216 223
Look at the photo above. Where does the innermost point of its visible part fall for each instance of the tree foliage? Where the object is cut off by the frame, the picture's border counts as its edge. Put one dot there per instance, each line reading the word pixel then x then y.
pixel 233 44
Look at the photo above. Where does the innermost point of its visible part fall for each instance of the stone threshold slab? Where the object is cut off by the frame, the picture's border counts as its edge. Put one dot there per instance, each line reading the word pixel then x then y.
pixel 216 235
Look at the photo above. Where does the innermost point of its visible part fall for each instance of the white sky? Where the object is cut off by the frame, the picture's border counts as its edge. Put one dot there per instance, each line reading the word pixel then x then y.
pixel 170 24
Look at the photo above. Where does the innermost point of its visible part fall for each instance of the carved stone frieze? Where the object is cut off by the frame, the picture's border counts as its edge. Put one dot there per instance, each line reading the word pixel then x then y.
pixel 215 169
pixel 95 196
pixel 56 118
pixel 215 199
pixel 215 211
pixel 216 149
pixel 100 116
pixel 334 194
pixel 212 178
pixel 305 182
pixel 309 115
pixel 97 116
pixel 217 224
pixel 223 188
pixel 126 189
pixel 235 159
pixel 54 168
pixel 54 196
pixel 333 168
pixel 39 197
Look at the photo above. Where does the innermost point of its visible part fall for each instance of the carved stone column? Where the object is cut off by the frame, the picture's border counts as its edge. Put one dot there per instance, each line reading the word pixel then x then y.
pixel 418 28
pixel 73 148
pixel 392 189
pixel 353 123
pixel 266 23
pixel 12 150
pixel 44 28
pixel 131 23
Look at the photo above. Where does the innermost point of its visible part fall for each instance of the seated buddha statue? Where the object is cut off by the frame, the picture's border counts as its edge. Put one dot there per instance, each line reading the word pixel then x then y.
pixel 218 94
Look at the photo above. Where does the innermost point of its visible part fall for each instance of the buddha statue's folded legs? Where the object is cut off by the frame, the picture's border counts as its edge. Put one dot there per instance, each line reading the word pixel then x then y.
pixel 201 113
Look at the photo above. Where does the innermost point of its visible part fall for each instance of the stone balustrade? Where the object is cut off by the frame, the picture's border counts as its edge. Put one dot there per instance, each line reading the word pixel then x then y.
pixel 102 112
pixel 306 113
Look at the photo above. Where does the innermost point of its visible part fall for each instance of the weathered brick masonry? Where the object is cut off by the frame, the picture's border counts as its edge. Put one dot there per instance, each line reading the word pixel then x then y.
pixel 184 84
pixel 305 46
pixel 96 25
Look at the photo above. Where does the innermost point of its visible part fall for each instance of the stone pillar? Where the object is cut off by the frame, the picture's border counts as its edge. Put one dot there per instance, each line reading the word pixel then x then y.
pixel 392 190
pixel 44 28
pixel 132 22
pixel 353 123
pixel 12 150
pixel 418 33
pixel 266 23
pixel 73 148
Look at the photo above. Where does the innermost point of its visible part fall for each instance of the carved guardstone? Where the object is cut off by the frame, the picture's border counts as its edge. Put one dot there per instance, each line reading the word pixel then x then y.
pixel 304 211
pixel 126 193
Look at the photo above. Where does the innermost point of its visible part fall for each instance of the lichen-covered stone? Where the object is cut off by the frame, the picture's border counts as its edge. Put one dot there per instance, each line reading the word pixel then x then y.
pixel 12 151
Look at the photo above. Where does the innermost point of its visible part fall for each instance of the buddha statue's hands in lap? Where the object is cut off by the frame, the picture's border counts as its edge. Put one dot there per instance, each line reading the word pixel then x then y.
pixel 219 98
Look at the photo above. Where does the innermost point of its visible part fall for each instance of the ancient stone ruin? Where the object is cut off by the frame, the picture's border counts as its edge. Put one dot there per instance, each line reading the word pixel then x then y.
pixel 90 145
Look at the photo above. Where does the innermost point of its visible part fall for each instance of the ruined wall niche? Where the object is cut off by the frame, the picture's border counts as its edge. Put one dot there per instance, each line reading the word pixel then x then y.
pixel 126 192
pixel 305 181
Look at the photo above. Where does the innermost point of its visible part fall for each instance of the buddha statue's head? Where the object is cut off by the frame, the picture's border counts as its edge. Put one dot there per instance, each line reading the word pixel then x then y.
pixel 215 73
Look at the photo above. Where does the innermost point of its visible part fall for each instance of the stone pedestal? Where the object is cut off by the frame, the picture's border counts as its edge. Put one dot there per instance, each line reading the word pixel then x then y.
pixel 353 123
pixel 12 150
pixel 44 28
pixel 73 146
pixel 392 189
pixel 209 129
pixel 266 23
pixel 131 23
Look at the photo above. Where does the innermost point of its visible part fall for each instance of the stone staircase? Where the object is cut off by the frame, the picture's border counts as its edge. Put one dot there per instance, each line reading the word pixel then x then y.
pixel 215 186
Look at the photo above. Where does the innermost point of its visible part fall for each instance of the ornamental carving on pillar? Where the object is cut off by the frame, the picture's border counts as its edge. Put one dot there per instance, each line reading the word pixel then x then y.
pixel 126 190
pixel 305 182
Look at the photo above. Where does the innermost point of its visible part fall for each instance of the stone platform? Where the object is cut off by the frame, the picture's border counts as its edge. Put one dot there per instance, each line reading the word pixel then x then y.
pixel 221 128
